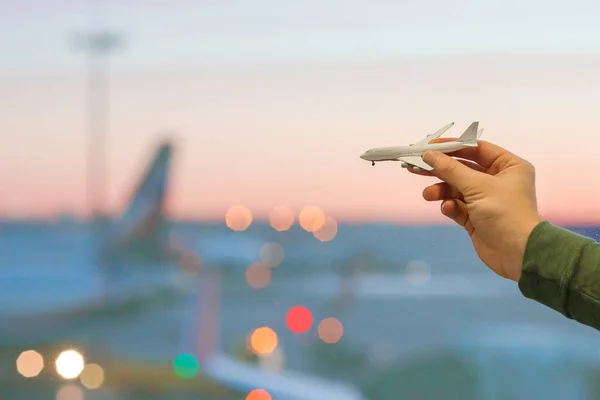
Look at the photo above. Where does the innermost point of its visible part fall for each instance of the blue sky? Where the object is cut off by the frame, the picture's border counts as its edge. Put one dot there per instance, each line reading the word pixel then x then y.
pixel 35 35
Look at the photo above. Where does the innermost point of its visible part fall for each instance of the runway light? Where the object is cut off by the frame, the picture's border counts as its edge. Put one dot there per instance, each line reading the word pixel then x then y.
pixel 92 376
pixel 311 218
pixel 281 218
pixel 69 364
pixel 299 319
pixel 186 366
pixel 30 363
pixel 328 231
pixel 259 394
pixel 258 276
pixel 263 340
pixel 70 391
pixel 331 330
pixel 238 218
pixel 272 254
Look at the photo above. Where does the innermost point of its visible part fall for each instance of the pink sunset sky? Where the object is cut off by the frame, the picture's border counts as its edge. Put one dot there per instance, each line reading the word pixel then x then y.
pixel 271 105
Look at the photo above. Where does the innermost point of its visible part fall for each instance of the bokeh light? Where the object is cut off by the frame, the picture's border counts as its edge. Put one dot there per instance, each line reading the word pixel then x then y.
pixel 92 376
pixel 69 364
pixel 273 362
pixel 281 218
pixel 331 330
pixel 258 394
pixel 263 340
pixel 311 218
pixel 258 275
pixel 69 391
pixel 30 363
pixel 272 254
pixel 186 366
pixel 328 231
pixel 238 218
pixel 417 272
pixel 299 319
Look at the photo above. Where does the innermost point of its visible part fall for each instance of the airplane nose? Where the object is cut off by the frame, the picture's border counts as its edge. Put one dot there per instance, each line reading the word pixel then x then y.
pixel 363 156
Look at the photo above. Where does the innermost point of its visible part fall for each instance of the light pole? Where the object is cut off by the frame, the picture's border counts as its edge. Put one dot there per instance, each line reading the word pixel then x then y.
pixel 98 45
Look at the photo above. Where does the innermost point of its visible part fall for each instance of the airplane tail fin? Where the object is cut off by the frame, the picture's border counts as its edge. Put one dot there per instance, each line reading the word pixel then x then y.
pixel 139 227
pixel 471 135
pixel 201 335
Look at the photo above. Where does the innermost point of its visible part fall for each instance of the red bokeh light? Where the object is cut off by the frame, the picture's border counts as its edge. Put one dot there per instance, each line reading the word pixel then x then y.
pixel 299 319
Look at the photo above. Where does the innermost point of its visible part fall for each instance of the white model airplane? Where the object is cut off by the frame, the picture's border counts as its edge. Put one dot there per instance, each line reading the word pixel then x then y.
pixel 412 155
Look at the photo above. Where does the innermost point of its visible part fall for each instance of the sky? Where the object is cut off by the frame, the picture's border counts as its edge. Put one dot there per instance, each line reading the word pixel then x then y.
pixel 271 102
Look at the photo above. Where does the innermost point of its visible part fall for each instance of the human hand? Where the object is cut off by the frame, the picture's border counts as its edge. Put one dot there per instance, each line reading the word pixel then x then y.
pixel 491 193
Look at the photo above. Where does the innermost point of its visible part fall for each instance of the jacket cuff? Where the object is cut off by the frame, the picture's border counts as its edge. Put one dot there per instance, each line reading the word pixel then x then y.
pixel 549 264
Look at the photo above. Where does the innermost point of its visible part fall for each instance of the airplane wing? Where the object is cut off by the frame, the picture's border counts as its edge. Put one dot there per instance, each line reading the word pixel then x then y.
pixel 434 135
pixel 416 161
pixel 286 385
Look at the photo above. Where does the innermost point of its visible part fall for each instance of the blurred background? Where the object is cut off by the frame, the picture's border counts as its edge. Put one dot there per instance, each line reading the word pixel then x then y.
pixel 184 213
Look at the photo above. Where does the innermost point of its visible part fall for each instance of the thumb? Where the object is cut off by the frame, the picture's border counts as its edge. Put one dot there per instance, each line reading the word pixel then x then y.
pixel 450 170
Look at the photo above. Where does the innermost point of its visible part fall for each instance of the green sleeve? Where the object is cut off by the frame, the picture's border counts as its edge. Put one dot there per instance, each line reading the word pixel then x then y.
pixel 561 270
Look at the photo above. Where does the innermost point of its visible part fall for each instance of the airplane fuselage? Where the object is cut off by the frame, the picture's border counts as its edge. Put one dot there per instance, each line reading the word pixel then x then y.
pixel 393 153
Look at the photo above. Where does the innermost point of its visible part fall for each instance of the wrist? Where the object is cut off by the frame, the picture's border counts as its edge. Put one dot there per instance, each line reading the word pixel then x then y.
pixel 525 227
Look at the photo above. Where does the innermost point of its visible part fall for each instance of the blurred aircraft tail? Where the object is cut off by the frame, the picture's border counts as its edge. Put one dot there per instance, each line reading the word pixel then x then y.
pixel 138 231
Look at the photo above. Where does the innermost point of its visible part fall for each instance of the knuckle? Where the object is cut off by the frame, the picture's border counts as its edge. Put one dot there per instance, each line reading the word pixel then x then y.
pixel 447 165
pixel 529 167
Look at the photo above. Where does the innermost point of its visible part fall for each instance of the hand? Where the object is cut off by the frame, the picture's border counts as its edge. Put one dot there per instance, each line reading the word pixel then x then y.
pixel 491 193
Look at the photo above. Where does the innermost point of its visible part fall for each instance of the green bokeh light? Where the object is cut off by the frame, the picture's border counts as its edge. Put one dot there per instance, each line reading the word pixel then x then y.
pixel 186 366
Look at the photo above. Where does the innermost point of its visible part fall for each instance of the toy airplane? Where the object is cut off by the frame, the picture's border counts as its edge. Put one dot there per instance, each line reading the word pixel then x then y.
pixel 412 155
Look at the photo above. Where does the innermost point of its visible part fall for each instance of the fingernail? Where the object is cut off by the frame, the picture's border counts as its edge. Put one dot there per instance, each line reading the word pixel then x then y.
pixel 430 157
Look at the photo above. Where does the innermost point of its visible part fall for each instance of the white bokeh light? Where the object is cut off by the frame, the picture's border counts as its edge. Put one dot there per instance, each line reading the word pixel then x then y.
pixel 417 272
pixel 69 364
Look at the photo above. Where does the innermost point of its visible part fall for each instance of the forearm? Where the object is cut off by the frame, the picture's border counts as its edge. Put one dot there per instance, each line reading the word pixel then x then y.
pixel 561 270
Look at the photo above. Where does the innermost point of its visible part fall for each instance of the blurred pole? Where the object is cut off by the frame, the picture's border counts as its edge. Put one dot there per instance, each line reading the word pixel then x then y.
pixel 98 43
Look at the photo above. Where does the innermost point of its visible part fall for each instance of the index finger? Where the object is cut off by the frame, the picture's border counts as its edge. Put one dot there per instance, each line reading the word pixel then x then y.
pixel 485 154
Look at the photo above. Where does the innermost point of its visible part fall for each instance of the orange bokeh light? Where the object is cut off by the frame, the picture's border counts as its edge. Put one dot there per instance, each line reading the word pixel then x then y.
pixel 258 275
pixel 259 394
pixel 331 330
pixel 238 218
pixel 281 218
pixel 311 218
pixel 263 340
pixel 30 363
pixel 328 231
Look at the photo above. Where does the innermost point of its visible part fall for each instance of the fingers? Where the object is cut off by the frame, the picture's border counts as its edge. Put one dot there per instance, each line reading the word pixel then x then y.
pixel 469 164
pixel 485 154
pixel 456 210
pixel 441 191
pixel 452 171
